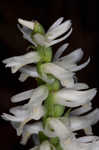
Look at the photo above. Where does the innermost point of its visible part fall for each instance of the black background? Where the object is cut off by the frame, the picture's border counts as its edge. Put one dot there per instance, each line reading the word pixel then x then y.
pixel 84 16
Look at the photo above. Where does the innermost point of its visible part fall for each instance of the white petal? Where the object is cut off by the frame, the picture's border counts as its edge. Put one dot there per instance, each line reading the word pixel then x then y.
pixel 46 146
pixel 80 86
pixel 23 77
pixel 39 95
pixel 19 110
pixel 29 24
pixel 26 34
pixel 59 30
pixel 79 67
pixel 41 40
pixel 37 112
pixel 55 128
pixel 60 39
pixel 87 139
pixel 55 24
pixel 29 130
pixel 81 110
pixel 12 118
pixel 73 57
pixel 22 96
pixel 30 71
pixel 65 76
pixel 19 61
pixel 73 98
pixel 60 51
pixel 82 122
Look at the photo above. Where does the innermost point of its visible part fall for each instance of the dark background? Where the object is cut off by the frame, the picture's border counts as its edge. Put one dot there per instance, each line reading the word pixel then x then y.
pixel 83 14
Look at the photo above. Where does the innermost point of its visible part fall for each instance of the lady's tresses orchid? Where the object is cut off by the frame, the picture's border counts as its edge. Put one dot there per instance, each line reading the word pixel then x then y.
pixel 57 93
pixel 72 97
pixel 45 39
pixel 19 61
pixel 62 68
pixel 34 128
pixel 63 127
pixel 32 110
pixel 83 143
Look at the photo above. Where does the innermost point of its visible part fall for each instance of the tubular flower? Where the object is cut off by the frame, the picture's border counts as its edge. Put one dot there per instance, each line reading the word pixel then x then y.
pixel 28 130
pixel 45 39
pixel 62 68
pixel 19 61
pixel 32 110
pixel 45 145
pixel 59 106
pixel 73 98
pixel 83 143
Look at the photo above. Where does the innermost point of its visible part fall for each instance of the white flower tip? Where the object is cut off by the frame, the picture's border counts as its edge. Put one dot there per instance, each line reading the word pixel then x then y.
pixel 93 92
pixel 28 24
pixel 5 116
pixel 69 21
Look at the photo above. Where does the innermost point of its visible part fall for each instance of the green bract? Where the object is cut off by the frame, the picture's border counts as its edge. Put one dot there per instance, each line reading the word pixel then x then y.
pixel 45 53
pixel 38 28
pixel 53 110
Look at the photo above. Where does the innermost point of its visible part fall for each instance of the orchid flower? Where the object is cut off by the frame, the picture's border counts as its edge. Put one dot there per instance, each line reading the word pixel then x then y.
pixel 60 105
pixel 83 143
pixel 17 62
pixel 73 98
pixel 32 110
pixel 46 39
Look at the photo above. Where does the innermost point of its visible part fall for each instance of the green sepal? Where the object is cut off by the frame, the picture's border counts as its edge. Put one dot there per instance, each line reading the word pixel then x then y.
pixel 55 86
pixel 53 110
pixel 58 110
pixel 39 68
pixel 54 140
pixel 38 28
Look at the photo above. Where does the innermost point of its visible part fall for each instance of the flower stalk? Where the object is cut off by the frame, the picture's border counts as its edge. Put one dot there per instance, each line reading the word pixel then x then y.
pixel 59 102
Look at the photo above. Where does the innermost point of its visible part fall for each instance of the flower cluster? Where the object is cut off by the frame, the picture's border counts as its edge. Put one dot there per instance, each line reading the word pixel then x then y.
pixel 60 104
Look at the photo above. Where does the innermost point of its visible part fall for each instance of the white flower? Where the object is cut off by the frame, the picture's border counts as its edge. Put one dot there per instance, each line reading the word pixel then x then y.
pixel 63 127
pixel 81 110
pixel 44 146
pixel 55 31
pixel 28 24
pixel 63 75
pixel 70 61
pixel 28 71
pixel 83 143
pixel 73 98
pixel 17 62
pixel 30 129
pixel 56 128
pixel 32 110
pixel 61 68
pixel 84 122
